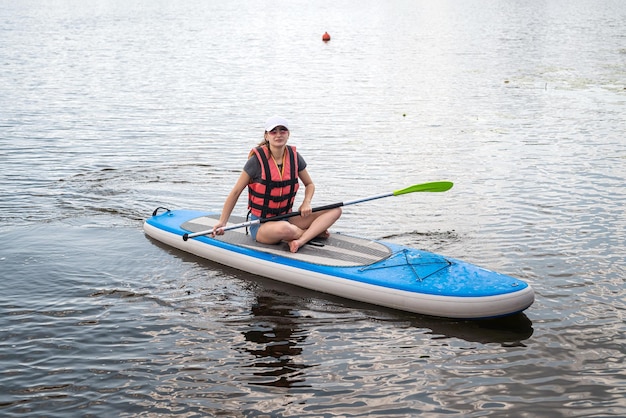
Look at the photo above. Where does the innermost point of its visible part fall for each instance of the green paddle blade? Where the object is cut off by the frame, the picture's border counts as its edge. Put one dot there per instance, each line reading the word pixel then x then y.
pixel 436 186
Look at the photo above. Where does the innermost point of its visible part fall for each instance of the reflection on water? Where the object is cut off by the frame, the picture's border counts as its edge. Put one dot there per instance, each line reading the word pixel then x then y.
pixel 278 335
pixel 509 332
pixel 278 342
pixel 281 322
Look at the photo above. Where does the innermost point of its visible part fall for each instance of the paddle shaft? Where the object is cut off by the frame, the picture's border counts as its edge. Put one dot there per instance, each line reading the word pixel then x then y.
pixel 426 187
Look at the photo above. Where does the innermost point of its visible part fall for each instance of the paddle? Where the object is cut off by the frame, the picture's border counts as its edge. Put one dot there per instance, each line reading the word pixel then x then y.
pixel 437 186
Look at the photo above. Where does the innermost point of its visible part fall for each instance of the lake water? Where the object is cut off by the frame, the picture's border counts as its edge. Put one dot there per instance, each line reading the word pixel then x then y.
pixel 109 109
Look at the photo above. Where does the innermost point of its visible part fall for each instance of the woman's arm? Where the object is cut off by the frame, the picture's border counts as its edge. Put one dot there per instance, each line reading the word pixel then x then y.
pixel 309 191
pixel 231 201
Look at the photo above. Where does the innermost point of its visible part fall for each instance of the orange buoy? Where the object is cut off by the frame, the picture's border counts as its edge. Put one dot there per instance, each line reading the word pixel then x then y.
pixel 325 37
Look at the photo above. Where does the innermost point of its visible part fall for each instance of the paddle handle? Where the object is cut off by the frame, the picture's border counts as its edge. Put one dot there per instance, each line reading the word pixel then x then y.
pixel 226 228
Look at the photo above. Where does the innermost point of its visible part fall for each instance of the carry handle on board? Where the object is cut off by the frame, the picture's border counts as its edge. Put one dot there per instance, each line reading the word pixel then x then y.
pixel 437 186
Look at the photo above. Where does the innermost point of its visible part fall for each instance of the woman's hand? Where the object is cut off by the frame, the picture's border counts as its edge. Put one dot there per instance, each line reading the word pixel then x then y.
pixel 305 209
pixel 217 229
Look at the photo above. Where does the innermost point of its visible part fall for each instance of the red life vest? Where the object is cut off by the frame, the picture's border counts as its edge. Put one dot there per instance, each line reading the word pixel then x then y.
pixel 274 193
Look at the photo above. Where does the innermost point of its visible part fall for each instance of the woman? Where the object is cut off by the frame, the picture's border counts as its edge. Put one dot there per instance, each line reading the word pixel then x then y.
pixel 272 175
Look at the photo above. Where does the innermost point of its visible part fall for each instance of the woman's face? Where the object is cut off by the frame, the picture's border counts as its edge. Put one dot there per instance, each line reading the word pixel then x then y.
pixel 277 136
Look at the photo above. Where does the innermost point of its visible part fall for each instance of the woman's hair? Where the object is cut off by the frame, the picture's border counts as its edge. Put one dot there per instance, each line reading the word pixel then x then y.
pixel 265 142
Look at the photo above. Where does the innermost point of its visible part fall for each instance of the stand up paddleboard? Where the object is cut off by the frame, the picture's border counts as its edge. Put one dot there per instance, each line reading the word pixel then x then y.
pixel 371 271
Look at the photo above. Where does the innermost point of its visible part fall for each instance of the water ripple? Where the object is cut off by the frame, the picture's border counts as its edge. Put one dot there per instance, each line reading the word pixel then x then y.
pixel 112 109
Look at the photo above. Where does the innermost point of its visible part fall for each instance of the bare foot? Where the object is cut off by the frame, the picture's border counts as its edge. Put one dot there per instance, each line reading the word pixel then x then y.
pixel 294 246
pixel 324 235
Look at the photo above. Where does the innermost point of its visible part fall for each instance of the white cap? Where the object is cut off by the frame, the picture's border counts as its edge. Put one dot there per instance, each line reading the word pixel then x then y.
pixel 275 121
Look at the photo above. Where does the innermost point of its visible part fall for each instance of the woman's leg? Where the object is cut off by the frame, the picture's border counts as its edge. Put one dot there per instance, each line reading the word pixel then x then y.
pixel 275 232
pixel 298 231
pixel 312 226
